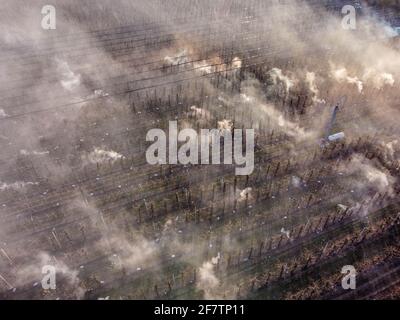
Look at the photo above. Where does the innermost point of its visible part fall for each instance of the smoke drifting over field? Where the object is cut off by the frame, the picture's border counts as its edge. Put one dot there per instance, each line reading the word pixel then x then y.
pixel 77 193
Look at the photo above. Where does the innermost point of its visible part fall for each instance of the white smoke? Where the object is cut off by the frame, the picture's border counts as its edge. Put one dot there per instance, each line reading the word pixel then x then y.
pixel 181 57
pixel 285 232
pixel 216 64
pixel 311 81
pixel 236 63
pixel 225 125
pixel 100 93
pixel 101 156
pixel 291 128
pixel 18 185
pixel 205 67
pixel 208 281
pixel 3 114
pixel 296 181
pixel 133 255
pixel 34 152
pixel 202 113
pixel 245 193
pixel 69 80
pixel 372 176
pixel 378 79
pixel 279 78
pixel 392 147
pixel 341 75
pixel 246 98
